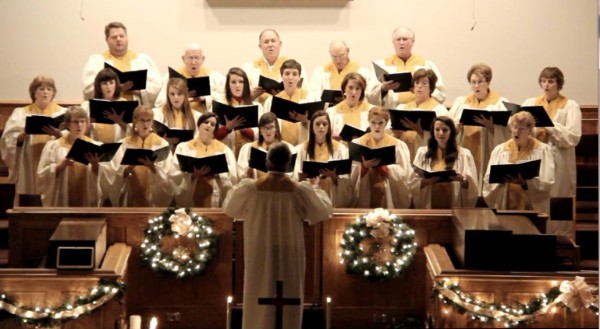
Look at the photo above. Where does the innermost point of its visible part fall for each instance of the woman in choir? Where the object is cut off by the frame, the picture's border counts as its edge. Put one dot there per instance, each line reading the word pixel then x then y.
pixel 517 193
pixel 269 133
pixel 177 112
pixel 322 148
pixel 293 132
pixel 199 189
pixel 354 109
pixel 381 186
pixel 480 140
pixel 423 85
pixel 62 181
pixel 562 138
pixel 442 154
pixel 145 185
pixel 107 87
pixel 237 93
pixel 21 151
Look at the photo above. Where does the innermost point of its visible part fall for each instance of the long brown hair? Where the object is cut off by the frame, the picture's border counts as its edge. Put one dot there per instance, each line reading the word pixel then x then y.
pixel 169 111
pixel 246 97
pixel 310 147
pixel 451 150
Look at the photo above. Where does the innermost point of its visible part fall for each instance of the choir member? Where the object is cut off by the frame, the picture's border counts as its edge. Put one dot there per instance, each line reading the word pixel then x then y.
pixel 354 109
pixel 176 112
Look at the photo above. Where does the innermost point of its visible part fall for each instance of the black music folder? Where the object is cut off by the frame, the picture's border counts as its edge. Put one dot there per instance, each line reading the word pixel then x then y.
pixel 426 117
pixel 248 112
pixel 404 78
pixel 98 106
pixel 132 155
pixel 184 135
pixel 217 163
pixel 528 170
pixel 282 108
pixel 332 96
pixel 539 113
pixel 35 123
pixel 444 175
pixel 106 151
pixel 349 132
pixel 341 167
pixel 386 154
pixel 199 85
pixel 271 86
pixel 137 77
pixel 258 160
pixel 468 116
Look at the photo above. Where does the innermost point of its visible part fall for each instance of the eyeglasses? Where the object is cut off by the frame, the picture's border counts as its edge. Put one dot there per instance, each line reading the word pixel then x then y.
pixel 340 56
pixel 268 128
pixel 193 58
pixel 477 83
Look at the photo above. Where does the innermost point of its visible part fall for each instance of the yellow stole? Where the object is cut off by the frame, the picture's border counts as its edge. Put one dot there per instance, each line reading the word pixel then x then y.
pixel 264 146
pixel 322 155
pixel 39 141
pixel 351 115
pixel 516 197
pixel 139 183
pixel 377 179
pixel 472 134
pixel 336 77
pixel 272 72
pixel 77 178
pixel 441 193
pixel 409 136
pixel 551 108
pixel 401 66
pixel 239 139
pixel 290 131
pixel 204 72
pixel 179 118
pixel 123 64
pixel 204 185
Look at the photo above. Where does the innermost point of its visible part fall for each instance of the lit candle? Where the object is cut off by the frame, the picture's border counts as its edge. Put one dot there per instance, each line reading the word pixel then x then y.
pixel 228 321
pixel 135 322
pixel 153 323
pixel 328 314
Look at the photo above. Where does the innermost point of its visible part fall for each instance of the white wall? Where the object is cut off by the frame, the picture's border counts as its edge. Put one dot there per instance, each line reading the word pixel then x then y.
pixel 517 38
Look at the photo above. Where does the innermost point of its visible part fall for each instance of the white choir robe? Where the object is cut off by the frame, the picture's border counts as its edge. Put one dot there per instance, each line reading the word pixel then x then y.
pixel 302 129
pixel 391 99
pixel 118 132
pixel 563 138
pixel 55 188
pixel 439 109
pixel 340 194
pixel 321 79
pixel 273 209
pixel 538 188
pixel 337 118
pixel 489 139
pixel 217 84
pixel 116 187
pixel 95 64
pixel 260 67
pixel 229 140
pixel 20 160
pixel 243 161
pixel 461 197
pixel 397 190
pixel 186 184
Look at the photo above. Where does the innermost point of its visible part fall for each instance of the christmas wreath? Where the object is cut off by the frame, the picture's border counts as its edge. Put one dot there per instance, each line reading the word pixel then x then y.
pixel 378 245
pixel 181 228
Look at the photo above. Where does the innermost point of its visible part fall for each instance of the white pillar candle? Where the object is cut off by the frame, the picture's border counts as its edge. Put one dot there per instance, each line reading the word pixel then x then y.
pixel 228 320
pixel 328 314
pixel 153 323
pixel 135 322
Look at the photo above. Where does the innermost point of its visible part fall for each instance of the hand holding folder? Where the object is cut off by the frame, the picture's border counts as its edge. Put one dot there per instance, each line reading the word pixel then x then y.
pixel 527 169
pixel 216 163
pixel 472 117
pixel 443 175
pixel 183 135
pixel 37 124
pixel 81 148
pixel 132 156
pixel 332 96
pixel 403 78
pixel 313 168
pixel 386 154
pixel 538 112
pixel 400 119
pixel 270 86
pixel 350 132
pixel 100 109
pixel 248 114
pixel 198 86
pixel 137 78
pixel 283 109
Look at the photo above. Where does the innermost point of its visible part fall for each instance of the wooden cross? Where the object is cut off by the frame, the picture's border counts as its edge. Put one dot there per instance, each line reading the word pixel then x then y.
pixel 279 303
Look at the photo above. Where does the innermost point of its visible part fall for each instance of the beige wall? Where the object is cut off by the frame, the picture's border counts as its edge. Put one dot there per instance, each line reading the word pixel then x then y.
pixel 517 38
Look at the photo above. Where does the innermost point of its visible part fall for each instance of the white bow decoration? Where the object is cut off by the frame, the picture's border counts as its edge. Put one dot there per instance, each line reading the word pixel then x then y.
pixel 576 294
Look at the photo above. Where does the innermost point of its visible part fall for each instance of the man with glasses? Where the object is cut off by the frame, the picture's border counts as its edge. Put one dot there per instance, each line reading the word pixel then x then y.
pixel 330 75
pixel 193 60
pixel 403 60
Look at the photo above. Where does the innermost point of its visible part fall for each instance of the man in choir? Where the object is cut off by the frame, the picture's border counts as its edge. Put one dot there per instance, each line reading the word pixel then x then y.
pixel 21 151
pixel 269 65
pixel 119 56
pixel 274 208
pixel 403 60
pixel 331 75
pixel 517 193
pixel 193 60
